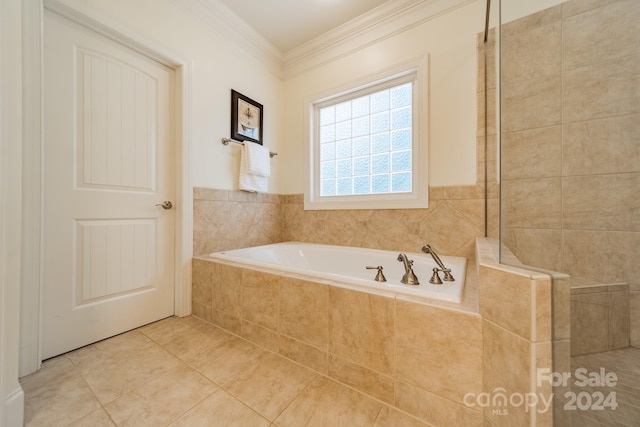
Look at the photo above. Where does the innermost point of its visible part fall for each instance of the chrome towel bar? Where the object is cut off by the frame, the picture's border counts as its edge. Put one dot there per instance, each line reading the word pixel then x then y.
pixel 226 141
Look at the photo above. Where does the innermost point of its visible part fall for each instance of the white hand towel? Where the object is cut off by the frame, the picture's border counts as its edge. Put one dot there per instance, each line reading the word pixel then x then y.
pixel 254 168
pixel 257 159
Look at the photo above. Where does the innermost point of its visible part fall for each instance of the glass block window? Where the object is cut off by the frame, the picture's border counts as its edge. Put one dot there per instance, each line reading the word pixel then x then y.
pixel 366 143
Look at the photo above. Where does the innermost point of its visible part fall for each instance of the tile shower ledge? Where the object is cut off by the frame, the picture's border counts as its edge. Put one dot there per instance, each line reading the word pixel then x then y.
pixel 487 255
pixel 468 305
pixel 584 286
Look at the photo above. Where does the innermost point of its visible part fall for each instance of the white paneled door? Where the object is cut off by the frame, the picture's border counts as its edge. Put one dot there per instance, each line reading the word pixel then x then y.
pixel 108 240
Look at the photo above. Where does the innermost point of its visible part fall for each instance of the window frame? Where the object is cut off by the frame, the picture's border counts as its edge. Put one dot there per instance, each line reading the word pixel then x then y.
pixel 414 71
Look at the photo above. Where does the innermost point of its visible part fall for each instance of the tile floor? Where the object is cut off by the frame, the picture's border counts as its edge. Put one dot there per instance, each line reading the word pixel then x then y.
pixel 186 372
pixel 625 363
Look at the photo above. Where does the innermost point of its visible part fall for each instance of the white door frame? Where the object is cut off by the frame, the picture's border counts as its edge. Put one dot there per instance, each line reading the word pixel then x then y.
pixel 31 303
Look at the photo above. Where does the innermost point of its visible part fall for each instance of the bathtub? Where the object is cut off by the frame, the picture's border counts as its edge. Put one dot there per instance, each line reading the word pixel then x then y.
pixel 344 266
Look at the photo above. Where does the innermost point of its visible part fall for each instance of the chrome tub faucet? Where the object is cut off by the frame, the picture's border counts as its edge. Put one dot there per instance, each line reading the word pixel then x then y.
pixel 409 277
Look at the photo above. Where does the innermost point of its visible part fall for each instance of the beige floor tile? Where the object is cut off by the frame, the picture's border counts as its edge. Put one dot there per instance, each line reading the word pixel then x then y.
pixel 436 410
pixel 304 354
pixel 97 418
pixel 221 410
pixel 197 323
pixel 328 403
pixel 164 330
pixel 57 395
pixel 193 341
pixel 112 372
pixel 270 385
pixel 121 345
pixel 362 379
pixel 389 417
pixel 162 400
pixel 235 358
pixel 624 363
pixel 53 370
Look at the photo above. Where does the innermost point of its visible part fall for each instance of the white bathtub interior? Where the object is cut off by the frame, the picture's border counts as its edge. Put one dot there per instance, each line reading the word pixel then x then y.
pixel 345 266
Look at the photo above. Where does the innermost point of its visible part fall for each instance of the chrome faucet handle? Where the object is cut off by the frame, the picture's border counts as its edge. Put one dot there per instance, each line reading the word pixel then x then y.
pixel 379 276
pixel 448 277
pixel 435 278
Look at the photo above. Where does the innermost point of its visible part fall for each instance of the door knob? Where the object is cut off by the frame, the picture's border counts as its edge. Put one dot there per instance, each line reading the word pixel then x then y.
pixel 165 205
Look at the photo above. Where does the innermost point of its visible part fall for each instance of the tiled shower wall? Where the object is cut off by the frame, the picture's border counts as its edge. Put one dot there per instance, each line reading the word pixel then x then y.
pixel 571 158
pixel 599 318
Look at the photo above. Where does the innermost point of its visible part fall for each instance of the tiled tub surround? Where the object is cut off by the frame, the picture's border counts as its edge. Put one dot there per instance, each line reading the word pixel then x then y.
pixel 420 358
pixel 570 129
pixel 599 317
pixel 225 220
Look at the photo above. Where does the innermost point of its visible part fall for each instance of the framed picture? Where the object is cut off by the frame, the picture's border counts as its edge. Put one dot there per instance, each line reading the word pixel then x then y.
pixel 246 118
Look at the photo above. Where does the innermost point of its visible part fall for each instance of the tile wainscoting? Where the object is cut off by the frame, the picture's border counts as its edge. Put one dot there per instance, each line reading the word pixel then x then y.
pixel 225 220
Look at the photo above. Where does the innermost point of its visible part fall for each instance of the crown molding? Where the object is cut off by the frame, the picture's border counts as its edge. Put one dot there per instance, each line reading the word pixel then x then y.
pixel 380 23
pixel 362 23
pixel 228 24
pixel 385 21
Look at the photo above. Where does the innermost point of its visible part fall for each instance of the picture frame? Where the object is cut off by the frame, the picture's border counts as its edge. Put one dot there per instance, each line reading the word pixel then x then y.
pixel 246 118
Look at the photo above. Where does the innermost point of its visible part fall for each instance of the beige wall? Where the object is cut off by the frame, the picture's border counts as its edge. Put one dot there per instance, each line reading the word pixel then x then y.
pixel 449 41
